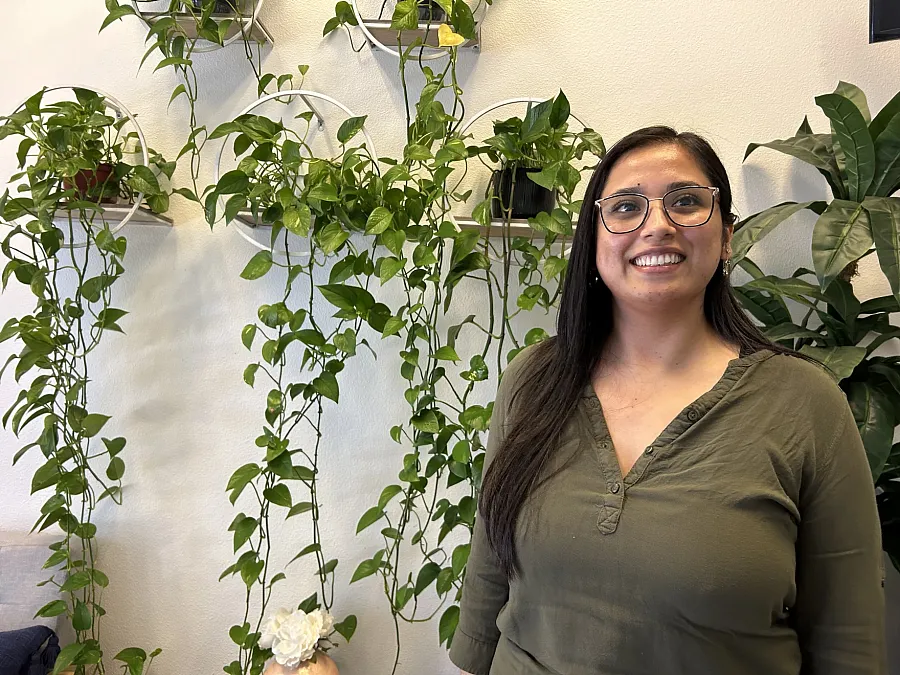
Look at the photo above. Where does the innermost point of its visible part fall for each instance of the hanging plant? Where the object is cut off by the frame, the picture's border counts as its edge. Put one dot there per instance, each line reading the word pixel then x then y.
pixel 860 161
pixel 184 29
pixel 71 159
pixel 313 205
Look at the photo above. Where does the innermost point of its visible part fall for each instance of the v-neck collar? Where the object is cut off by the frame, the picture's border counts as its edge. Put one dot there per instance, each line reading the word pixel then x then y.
pixel 681 423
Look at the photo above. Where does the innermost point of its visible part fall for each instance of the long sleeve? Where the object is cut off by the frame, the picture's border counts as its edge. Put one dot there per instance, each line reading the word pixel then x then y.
pixel 485 589
pixel 840 598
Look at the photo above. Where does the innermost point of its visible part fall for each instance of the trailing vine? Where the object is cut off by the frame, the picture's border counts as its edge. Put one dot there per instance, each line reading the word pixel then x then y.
pixel 71 163
pixel 312 205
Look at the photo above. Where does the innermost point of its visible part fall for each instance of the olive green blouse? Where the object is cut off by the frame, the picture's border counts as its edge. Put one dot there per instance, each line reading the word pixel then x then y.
pixel 745 540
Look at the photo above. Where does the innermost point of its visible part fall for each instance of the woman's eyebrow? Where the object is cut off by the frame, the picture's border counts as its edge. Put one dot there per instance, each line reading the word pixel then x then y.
pixel 637 189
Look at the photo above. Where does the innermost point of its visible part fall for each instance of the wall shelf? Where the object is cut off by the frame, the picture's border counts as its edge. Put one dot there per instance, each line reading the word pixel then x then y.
pixel 115 213
pixel 188 24
pixel 517 227
pixel 383 34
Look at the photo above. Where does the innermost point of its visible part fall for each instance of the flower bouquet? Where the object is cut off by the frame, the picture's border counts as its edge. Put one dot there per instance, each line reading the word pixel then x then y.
pixel 296 640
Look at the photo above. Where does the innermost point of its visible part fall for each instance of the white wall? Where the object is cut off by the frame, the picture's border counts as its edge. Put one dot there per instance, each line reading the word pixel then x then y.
pixel 734 71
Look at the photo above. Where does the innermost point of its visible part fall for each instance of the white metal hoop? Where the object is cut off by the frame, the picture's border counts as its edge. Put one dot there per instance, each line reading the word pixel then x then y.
pixel 119 107
pixel 303 94
pixel 491 108
pixel 434 53
pixel 246 22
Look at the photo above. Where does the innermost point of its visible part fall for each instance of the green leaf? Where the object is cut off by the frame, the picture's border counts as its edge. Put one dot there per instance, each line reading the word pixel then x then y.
pixel 560 112
pixel 279 494
pixel 347 627
pixel 388 494
pixel 51 609
pixel 852 134
pixel 116 14
pixel 247 335
pixel 327 385
pixel 448 624
pixel 446 353
pixel 887 160
pixel 857 96
pixel 379 220
pixel 427 576
pixel 753 229
pixel 240 479
pixel 884 116
pixel 842 234
pixel 351 126
pixel 298 508
pixel 463 19
pixel 93 423
pixel 370 517
pixel 298 220
pixel 324 192
pixel 67 657
pixel 884 217
pixel 406 15
pixel 841 361
pixel 328 567
pixel 258 266
pixel 814 149
pixel 81 617
pixel 537 121
pixel 365 569
pixel 116 468
pixel 233 182
pixel 312 548
pixel 243 531
pixel 874 415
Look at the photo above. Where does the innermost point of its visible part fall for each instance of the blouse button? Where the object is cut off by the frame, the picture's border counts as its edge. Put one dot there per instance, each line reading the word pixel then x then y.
pixel 649 451
pixel 693 415
pixel 604 445
pixel 614 488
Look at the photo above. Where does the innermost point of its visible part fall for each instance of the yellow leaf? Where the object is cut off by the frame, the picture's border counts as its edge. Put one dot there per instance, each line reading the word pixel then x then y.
pixel 447 38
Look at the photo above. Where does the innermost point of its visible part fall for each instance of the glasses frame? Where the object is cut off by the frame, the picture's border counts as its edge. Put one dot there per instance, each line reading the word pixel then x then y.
pixel 649 200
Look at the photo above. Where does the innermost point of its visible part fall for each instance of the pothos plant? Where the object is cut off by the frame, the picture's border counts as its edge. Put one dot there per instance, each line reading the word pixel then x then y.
pixel 860 160
pixel 430 257
pixel 176 34
pixel 313 205
pixel 60 245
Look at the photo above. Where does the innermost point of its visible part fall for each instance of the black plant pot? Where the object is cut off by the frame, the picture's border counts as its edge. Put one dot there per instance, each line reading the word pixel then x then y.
pixel 431 11
pixel 529 199
pixel 222 6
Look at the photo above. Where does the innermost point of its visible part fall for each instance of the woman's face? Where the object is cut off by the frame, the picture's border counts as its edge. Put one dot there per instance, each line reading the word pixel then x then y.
pixel 652 171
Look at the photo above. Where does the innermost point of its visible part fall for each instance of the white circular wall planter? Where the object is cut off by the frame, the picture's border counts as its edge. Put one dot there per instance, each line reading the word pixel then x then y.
pixel 248 25
pixel 304 95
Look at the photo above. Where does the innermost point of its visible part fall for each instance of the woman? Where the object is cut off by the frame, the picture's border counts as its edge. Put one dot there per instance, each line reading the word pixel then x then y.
pixel 667 491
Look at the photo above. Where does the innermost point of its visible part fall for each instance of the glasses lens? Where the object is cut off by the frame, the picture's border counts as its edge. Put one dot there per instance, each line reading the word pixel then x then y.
pixel 623 213
pixel 690 206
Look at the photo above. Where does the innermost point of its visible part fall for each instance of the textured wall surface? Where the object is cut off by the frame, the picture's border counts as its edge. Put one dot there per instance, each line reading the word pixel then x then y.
pixel 734 71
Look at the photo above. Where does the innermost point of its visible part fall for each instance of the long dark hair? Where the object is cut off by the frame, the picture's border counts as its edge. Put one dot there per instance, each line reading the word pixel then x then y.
pixel 558 369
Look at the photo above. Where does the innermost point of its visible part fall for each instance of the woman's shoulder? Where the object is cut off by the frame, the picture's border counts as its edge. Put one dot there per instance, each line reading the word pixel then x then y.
pixel 790 379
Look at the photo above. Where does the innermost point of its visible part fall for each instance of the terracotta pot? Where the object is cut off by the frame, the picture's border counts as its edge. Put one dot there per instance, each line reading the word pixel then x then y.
pixel 324 665
pixel 86 181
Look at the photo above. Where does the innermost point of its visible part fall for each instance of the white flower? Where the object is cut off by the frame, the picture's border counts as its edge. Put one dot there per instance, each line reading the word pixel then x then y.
pixel 324 620
pixel 296 639
pixel 267 639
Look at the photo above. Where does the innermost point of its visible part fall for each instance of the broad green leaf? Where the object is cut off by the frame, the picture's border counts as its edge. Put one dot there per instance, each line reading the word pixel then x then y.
pixel 852 134
pixel 258 266
pixel 379 220
pixel 233 182
pixel 754 228
pixel 347 627
pixel 874 415
pixel 279 494
pixel 814 149
pixel 247 335
pixel 842 234
pixel 841 361
pixel 449 622
pixel 373 515
pixel 365 569
pixel 67 657
pixel 244 530
pixel 857 96
pixel 887 160
pixel 351 126
pixel 884 116
pixel 93 423
pixel 560 112
pixel 884 217
pixel 116 468
pixel 406 15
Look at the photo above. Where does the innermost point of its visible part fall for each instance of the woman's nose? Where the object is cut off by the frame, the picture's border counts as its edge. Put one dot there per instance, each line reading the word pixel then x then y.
pixel 658 222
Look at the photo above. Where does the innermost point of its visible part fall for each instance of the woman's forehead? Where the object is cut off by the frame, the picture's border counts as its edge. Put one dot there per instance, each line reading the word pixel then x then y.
pixel 654 169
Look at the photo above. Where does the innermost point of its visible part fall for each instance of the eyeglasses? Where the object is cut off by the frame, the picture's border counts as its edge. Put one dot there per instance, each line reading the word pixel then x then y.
pixel 690 206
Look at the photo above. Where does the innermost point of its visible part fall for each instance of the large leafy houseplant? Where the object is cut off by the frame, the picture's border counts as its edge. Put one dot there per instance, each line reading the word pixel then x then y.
pixel 61 246
pixel 860 160
pixel 313 205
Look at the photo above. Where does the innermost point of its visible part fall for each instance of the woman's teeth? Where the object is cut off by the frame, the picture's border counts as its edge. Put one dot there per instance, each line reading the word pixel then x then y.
pixel 657 260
